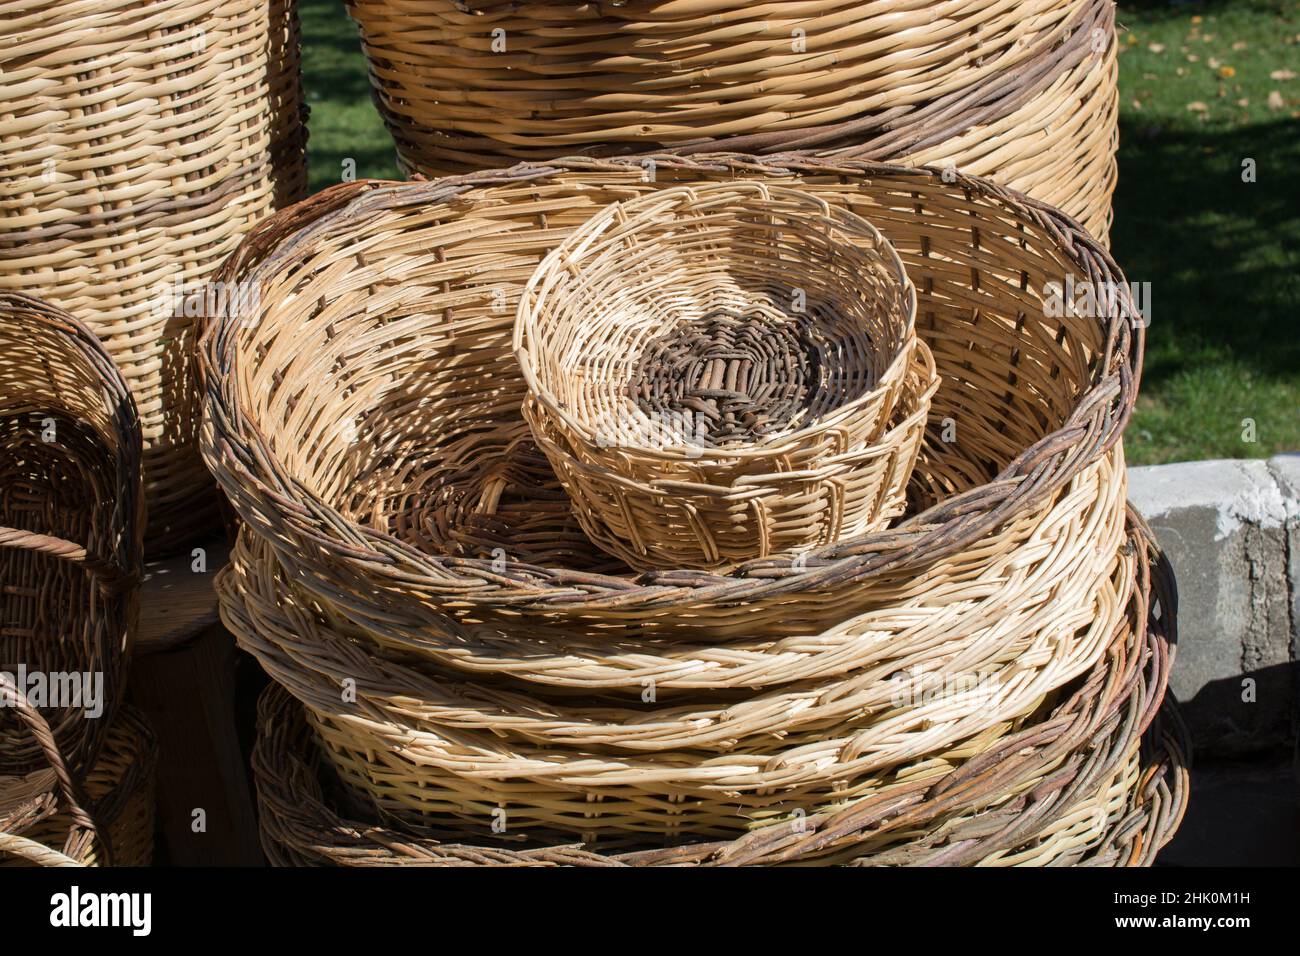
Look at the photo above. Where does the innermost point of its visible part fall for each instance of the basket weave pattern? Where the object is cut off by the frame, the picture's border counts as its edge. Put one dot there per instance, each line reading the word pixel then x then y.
pixel 653 338
pixel 1024 93
pixel 71 521
pixel 1061 790
pixel 141 139
pixel 412 543
pixel 119 792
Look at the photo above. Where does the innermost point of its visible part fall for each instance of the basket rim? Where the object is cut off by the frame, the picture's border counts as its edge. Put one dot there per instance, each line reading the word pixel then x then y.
pixel 124 419
pixel 525 346
pixel 240 455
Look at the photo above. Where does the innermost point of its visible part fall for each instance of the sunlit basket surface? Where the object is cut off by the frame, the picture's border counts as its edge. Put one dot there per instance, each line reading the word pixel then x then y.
pixel 139 139
pixel 71 521
pixel 715 373
pixel 1023 92
pixel 367 424
pixel 1067 787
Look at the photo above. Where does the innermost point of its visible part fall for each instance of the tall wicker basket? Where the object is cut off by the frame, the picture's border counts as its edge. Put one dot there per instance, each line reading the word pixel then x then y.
pixel 1024 93
pixel 139 139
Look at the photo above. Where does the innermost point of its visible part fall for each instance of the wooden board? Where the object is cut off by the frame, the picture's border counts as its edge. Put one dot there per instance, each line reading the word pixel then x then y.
pixel 176 602
pixel 188 695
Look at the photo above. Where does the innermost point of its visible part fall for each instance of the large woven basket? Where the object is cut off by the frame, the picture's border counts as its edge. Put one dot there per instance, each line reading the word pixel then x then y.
pixel 715 372
pixel 1024 93
pixel 71 520
pixel 1068 787
pixel 139 139
pixel 958 659
pixel 38 825
pixel 367 423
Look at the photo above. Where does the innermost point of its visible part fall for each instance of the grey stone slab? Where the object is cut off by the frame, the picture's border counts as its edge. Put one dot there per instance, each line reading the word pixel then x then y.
pixel 1231 530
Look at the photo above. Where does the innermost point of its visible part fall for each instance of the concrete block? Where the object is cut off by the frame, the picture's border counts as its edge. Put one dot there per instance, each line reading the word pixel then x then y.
pixel 1231 530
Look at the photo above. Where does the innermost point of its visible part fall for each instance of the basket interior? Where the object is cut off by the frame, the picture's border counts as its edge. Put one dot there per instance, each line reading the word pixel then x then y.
pixel 60 475
pixel 379 371
pixel 718 316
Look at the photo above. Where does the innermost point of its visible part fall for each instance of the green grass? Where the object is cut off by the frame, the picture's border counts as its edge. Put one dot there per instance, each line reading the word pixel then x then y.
pixel 1222 255
pixel 344 124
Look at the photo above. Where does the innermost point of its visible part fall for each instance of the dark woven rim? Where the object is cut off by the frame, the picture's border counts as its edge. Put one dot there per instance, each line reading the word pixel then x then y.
pixel 294 517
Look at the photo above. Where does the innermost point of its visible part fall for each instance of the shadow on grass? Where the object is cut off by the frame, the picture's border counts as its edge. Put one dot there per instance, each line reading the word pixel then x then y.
pixel 346 125
pixel 1221 254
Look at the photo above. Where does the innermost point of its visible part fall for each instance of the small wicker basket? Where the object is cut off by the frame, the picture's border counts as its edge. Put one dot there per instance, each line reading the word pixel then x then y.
pixel 714 373
pixel 71 525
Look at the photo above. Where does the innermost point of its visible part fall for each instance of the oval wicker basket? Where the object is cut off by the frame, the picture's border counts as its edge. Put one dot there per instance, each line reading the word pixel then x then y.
pixel 714 373
pixel 966 652
pixel 1024 93
pixel 344 434
pixel 1067 787
pixel 40 825
pixel 71 521
pixel 140 139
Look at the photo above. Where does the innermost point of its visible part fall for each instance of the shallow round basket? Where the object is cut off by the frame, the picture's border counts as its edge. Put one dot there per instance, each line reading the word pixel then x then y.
pixel 1025 94
pixel 1068 787
pixel 119 793
pixel 140 139
pixel 714 373
pixel 71 521
pixel 422 746
pixel 373 400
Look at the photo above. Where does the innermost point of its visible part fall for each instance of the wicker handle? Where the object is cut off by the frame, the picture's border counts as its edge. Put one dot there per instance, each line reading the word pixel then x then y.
pixel 110 579
pixel 68 786
pixel 33 852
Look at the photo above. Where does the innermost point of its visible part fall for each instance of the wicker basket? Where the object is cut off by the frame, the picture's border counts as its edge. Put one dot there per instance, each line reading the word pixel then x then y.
pixel 342 433
pixel 715 372
pixel 787 726
pixel 71 519
pixel 40 825
pixel 141 139
pixel 1024 93
pixel 1068 787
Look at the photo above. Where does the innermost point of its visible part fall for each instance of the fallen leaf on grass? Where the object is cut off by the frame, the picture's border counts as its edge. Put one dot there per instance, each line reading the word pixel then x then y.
pixel 1282 75
pixel 1227 72
pixel 1156 47
pixel 1275 100
pixel 1197 107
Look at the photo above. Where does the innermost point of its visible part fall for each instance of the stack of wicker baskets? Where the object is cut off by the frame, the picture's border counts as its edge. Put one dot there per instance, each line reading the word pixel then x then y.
pixel 1024 93
pixel 139 140
pixel 466 678
pixel 76 764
